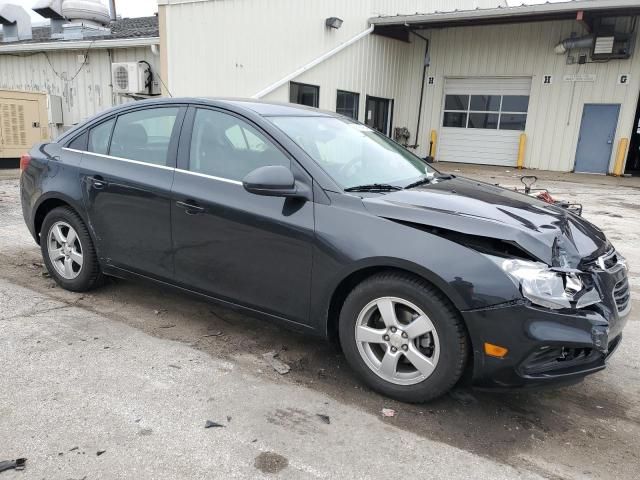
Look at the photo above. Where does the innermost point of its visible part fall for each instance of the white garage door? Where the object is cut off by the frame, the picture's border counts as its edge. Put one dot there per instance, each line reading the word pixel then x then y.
pixel 482 119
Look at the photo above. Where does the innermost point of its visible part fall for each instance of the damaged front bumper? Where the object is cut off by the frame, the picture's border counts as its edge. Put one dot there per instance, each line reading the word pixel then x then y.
pixel 544 346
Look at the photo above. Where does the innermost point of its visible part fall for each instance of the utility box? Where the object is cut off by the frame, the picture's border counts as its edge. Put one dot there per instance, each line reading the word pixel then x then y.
pixel 23 122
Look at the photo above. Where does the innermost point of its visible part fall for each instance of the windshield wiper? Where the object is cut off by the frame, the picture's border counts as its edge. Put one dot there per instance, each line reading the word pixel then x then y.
pixel 429 179
pixel 373 187
pixel 417 183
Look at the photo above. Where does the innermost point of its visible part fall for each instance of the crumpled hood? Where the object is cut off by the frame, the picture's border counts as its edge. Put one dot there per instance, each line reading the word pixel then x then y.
pixel 548 233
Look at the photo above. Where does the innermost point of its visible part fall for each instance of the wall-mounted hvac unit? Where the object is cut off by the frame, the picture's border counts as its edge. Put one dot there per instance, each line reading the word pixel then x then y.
pixel 133 78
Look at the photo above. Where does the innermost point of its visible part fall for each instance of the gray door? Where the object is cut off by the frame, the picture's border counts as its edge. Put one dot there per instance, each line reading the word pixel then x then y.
pixel 597 131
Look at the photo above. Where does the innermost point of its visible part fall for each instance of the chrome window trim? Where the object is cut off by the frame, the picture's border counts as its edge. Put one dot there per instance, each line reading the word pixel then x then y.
pixel 137 162
pixel 111 157
pixel 212 177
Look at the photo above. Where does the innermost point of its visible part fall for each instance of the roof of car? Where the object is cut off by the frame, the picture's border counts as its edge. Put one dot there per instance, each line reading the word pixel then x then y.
pixel 259 107
pixel 272 109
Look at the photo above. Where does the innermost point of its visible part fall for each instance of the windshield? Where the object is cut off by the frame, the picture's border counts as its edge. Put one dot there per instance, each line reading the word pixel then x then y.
pixel 353 154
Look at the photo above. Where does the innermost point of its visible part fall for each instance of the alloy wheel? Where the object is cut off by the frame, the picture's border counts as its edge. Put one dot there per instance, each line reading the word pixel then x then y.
pixel 397 340
pixel 65 250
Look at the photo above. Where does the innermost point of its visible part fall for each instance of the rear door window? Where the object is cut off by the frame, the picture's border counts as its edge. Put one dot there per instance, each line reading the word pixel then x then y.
pixel 144 135
pixel 99 137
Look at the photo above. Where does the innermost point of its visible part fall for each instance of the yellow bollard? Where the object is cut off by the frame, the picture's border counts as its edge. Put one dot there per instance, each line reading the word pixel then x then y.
pixel 620 153
pixel 521 148
pixel 432 148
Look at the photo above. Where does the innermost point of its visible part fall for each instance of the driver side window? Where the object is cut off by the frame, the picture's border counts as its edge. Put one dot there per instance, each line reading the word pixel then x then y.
pixel 225 146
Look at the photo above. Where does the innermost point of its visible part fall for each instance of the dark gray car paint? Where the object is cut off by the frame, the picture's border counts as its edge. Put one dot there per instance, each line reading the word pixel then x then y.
pixel 287 258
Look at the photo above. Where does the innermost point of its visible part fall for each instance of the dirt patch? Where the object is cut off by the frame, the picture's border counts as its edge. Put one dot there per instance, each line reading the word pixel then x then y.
pixel 270 462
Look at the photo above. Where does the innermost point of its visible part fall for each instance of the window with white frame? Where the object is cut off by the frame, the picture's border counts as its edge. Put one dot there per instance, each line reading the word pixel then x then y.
pixel 501 112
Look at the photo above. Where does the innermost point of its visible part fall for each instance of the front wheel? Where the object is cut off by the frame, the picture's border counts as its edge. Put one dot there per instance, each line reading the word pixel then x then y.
pixel 403 337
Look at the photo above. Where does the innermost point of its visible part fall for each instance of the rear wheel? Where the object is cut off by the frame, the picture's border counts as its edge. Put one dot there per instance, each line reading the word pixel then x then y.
pixel 68 252
pixel 403 337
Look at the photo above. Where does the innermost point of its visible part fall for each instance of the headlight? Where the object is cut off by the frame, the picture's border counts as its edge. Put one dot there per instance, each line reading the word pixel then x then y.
pixel 546 287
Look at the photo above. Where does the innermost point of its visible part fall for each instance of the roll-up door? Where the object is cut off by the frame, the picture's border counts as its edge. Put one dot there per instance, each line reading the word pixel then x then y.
pixel 482 119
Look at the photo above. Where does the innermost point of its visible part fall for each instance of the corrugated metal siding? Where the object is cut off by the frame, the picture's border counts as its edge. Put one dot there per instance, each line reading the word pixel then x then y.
pixel 83 96
pixel 378 62
pixel 238 47
pixel 555 110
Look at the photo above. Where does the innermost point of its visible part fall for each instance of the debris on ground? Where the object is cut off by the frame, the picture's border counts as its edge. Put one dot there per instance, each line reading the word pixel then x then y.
pixel 145 432
pixel 171 325
pixel 160 311
pixel 213 334
pixel 277 364
pixel 100 452
pixel 324 418
pixel 17 464
pixel 228 418
pixel 388 412
pixel 74 449
pixel 212 424
pixel 322 373
pixel 177 367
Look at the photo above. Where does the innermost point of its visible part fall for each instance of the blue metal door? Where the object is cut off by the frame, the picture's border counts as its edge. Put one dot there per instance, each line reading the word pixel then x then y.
pixel 597 131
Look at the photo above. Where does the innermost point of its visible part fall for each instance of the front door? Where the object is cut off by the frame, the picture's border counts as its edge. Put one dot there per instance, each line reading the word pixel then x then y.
pixel 597 131
pixel 127 175
pixel 378 114
pixel 246 249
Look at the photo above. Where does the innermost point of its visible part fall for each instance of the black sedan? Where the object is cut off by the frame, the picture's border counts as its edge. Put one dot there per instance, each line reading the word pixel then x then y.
pixel 318 222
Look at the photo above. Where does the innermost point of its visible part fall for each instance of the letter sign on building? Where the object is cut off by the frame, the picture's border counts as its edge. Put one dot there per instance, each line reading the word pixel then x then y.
pixel 623 79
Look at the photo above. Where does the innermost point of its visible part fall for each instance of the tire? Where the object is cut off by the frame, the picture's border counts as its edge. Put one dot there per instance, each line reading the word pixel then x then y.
pixel 428 330
pixel 84 272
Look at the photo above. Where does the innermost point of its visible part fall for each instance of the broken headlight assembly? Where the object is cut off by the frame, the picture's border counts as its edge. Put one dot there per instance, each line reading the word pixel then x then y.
pixel 546 286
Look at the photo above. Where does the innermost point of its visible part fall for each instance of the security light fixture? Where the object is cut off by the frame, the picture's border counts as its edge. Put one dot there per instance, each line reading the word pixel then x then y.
pixel 333 22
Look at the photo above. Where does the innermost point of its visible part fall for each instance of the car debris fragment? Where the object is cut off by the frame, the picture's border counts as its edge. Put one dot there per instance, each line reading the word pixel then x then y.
pixel 212 424
pixel 277 364
pixel 388 412
pixel 17 464
pixel 324 418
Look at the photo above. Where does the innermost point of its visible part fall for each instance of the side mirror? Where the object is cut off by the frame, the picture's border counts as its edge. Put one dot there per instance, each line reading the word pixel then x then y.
pixel 272 181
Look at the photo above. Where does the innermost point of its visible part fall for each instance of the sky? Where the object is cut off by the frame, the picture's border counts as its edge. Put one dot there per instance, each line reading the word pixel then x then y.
pixel 126 8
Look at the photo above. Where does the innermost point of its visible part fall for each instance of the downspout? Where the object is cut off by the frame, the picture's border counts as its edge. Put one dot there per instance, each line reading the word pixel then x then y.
pixel 313 63
pixel 424 76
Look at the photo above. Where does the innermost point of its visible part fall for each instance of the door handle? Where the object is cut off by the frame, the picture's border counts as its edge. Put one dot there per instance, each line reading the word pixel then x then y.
pixel 97 182
pixel 190 207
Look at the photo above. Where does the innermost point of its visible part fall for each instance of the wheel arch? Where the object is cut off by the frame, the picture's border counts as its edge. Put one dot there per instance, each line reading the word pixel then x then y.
pixel 358 275
pixel 47 204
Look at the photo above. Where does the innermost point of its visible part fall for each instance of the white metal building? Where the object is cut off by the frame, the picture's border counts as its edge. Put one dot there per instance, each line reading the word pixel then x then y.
pixel 71 63
pixel 564 74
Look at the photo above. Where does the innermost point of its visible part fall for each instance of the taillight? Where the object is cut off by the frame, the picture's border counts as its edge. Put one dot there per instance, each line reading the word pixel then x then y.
pixel 24 161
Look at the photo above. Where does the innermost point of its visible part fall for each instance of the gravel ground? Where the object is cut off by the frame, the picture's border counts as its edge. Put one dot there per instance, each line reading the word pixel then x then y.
pixel 136 371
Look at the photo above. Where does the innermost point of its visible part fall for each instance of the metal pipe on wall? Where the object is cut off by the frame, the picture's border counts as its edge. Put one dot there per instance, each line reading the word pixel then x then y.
pixel 112 9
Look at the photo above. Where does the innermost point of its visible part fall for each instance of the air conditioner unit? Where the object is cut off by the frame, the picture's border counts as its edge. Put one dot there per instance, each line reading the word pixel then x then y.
pixel 132 78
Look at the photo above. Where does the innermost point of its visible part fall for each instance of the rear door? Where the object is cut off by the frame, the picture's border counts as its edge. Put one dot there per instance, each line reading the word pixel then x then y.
pixel 231 244
pixel 595 143
pixel 127 175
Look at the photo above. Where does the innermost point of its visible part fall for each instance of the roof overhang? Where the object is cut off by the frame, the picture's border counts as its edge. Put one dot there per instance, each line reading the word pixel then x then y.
pixel 398 26
pixel 80 44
